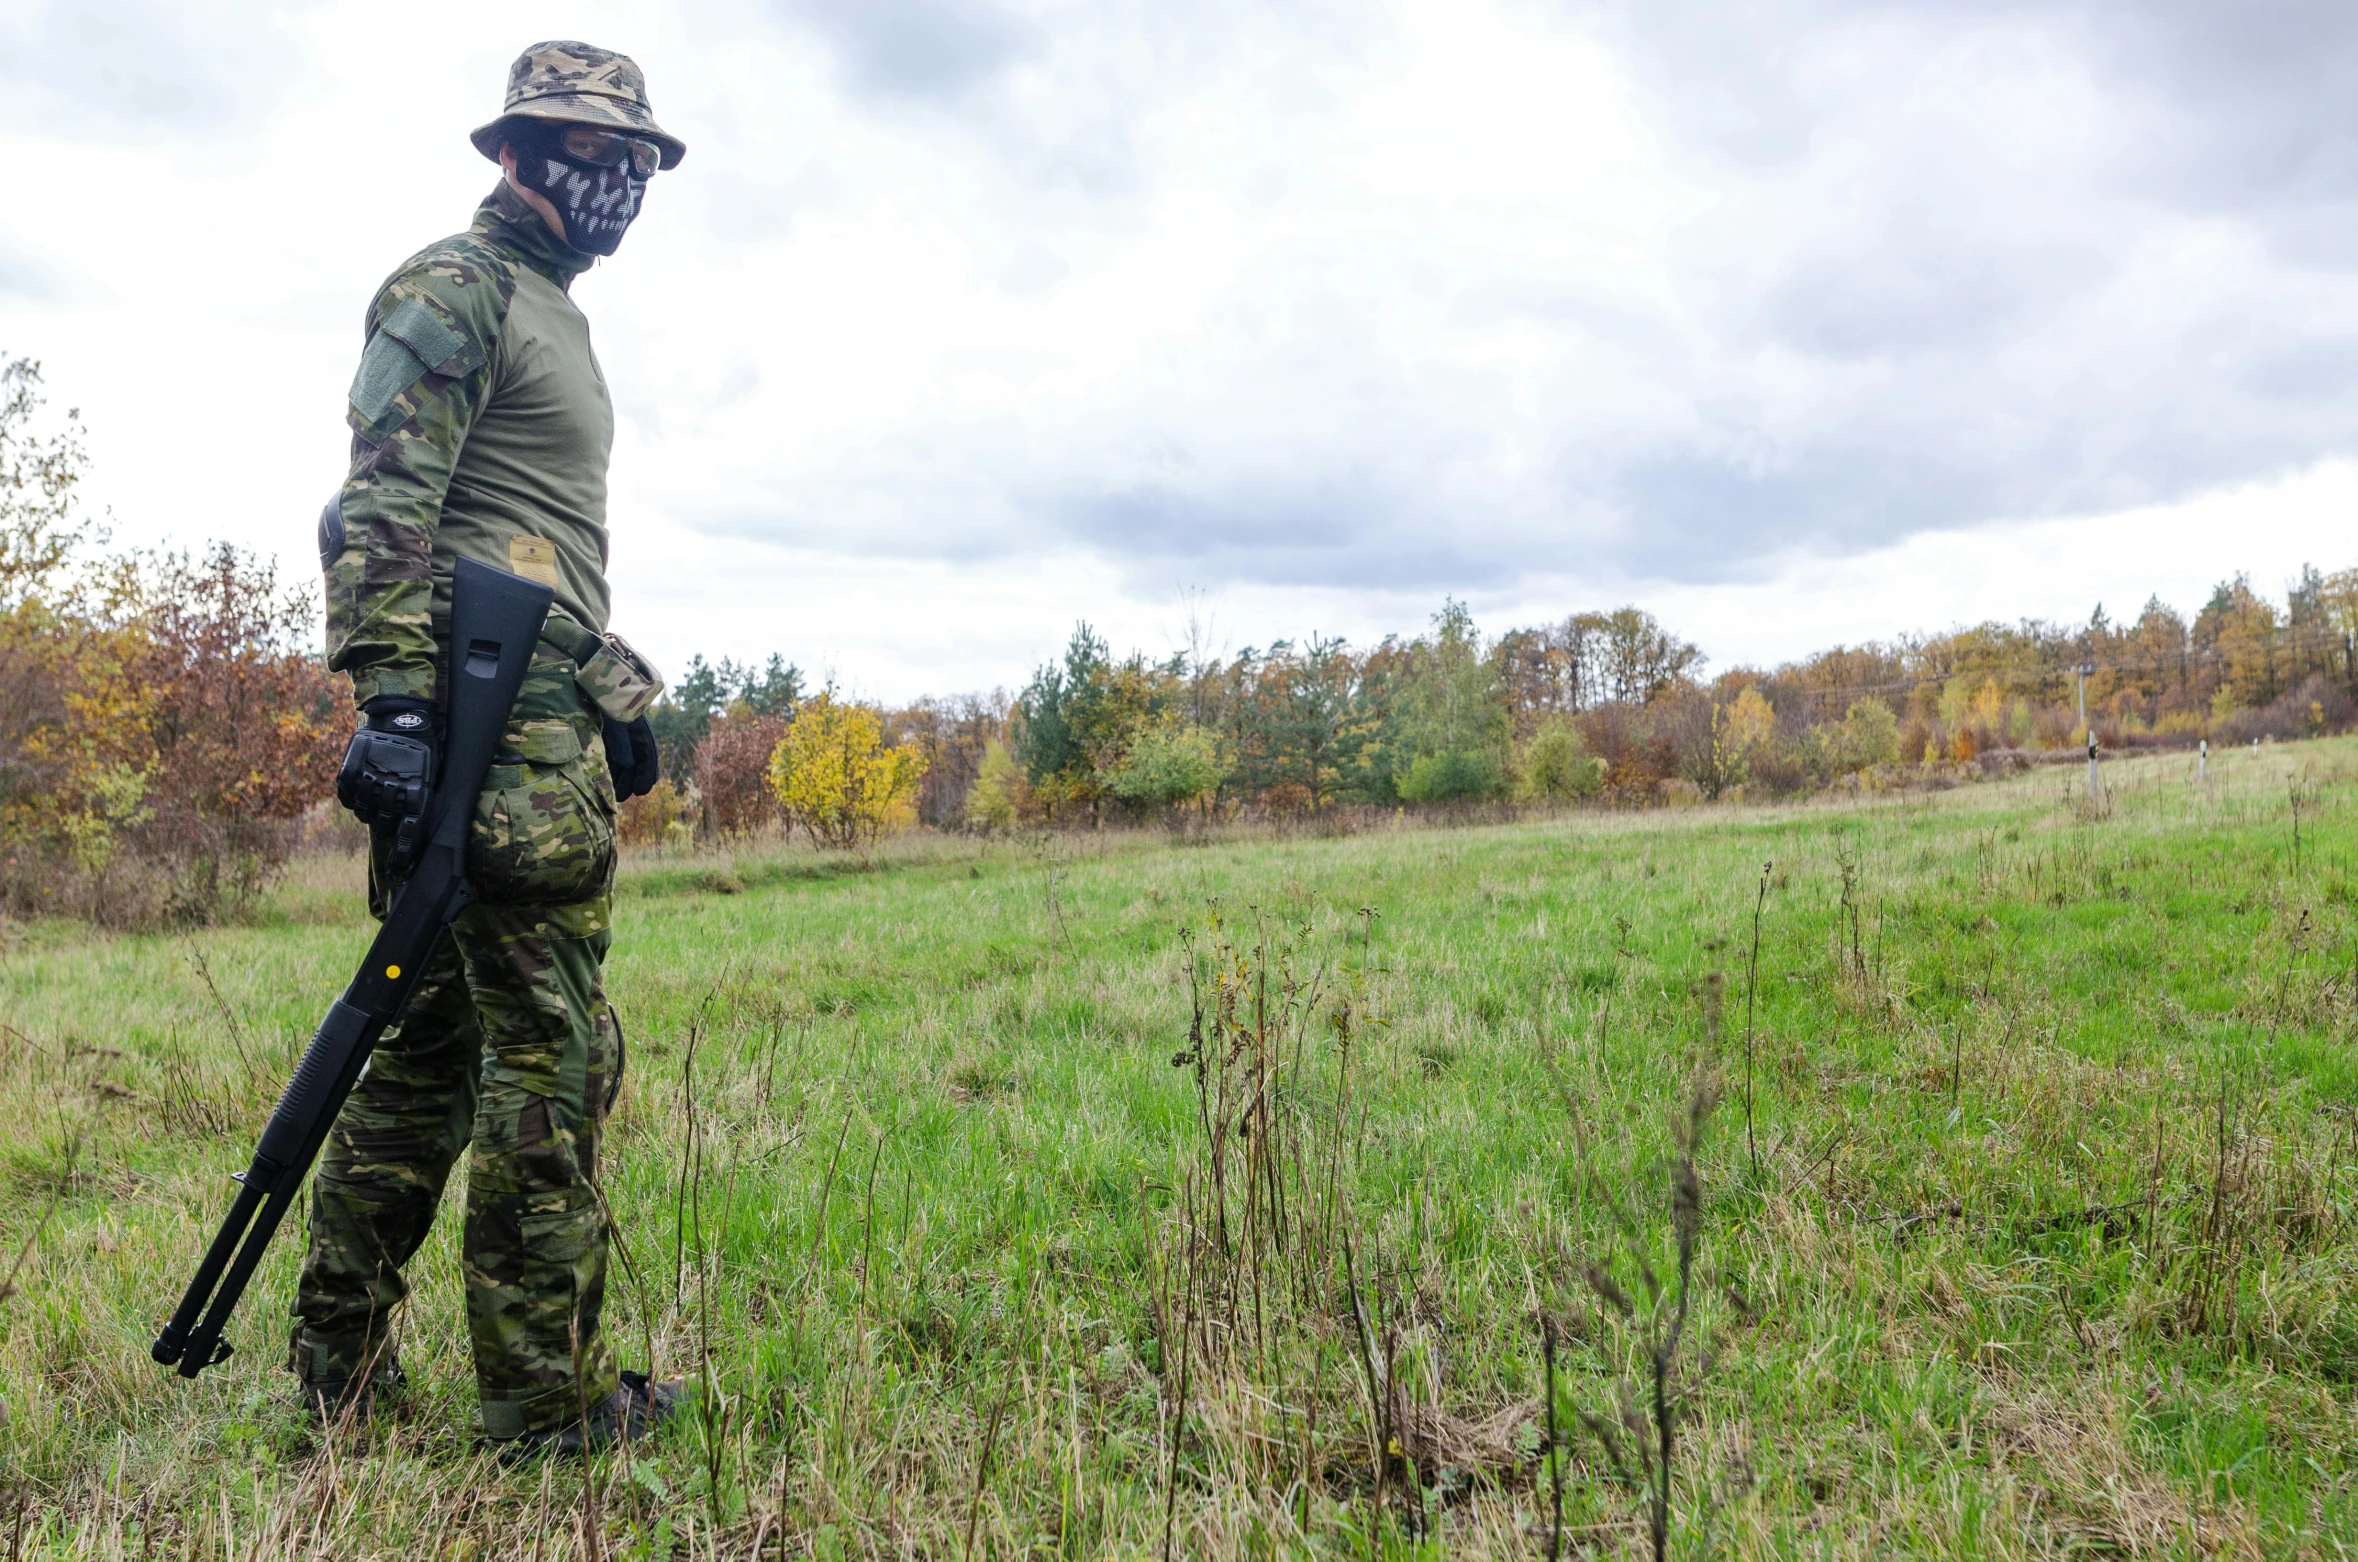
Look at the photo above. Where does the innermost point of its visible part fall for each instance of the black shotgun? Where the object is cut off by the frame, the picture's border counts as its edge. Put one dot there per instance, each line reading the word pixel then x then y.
pixel 495 619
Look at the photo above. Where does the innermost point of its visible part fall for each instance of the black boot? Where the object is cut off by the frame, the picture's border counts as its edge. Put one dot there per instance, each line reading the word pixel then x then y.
pixel 631 1413
pixel 336 1401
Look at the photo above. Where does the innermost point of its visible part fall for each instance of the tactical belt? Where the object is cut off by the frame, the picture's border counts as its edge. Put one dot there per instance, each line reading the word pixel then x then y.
pixel 566 636
pixel 562 634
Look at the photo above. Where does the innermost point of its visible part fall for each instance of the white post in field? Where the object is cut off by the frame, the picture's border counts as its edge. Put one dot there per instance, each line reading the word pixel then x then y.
pixel 2083 670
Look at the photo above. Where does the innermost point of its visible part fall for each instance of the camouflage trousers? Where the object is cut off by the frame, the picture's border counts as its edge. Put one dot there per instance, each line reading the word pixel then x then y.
pixel 507 1055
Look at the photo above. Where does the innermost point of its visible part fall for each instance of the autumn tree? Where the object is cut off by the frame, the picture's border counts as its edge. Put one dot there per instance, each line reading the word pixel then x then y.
pixel 62 683
pixel 836 778
pixel 240 726
pixel 704 691
pixel 164 721
pixel 1624 656
pixel 1741 731
pixel 733 791
pixel 1318 720
pixel 1000 797
pixel 1055 715
pixel 2338 597
pixel 1447 716
pixel 1868 736
pixel 2238 627
pixel 955 736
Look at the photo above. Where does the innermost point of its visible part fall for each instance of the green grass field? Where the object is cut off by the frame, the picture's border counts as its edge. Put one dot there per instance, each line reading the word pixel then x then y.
pixel 2020 1228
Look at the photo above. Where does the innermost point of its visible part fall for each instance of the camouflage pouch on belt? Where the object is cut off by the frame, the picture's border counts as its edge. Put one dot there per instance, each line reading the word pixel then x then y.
pixel 618 680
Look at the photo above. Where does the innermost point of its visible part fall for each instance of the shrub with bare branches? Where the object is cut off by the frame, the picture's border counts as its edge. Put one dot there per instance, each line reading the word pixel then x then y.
pixel 732 772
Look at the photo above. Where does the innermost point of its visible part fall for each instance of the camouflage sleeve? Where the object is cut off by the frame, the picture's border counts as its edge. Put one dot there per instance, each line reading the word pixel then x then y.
pixel 424 376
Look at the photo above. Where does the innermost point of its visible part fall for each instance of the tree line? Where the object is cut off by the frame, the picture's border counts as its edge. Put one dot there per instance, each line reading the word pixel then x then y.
pixel 1607 705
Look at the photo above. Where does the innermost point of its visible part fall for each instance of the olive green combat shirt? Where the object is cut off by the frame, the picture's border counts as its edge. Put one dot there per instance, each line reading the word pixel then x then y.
pixel 481 429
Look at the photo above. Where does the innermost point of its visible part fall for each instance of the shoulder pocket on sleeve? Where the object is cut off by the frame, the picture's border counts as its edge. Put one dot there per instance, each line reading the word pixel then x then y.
pixel 387 368
pixel 414 338
pixel 435 339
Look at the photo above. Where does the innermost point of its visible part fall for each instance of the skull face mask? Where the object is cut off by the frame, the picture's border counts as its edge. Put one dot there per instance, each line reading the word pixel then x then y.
pixel 594 178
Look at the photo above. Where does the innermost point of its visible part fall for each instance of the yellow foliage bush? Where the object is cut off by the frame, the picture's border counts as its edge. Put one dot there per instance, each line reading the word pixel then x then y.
pixel 1001 797
pixel 834 776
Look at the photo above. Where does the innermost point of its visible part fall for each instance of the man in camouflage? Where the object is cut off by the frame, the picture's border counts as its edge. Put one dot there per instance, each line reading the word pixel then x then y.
pixel 481 429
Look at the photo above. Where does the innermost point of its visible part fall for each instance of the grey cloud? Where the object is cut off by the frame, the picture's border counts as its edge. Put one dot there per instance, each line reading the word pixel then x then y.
pixel 1883 316
pixel 1928 458
pixel 135 67
pixel 2303 371
pixel 1706 518
pixel 2262 93
pixel 2236 108
pixel 2322 236
pixel 1337 534
pixel 917 48
pixel 1159 521
pixel 1341 535
pixel 2261 89
pixel 1936 336
pixel 1965 337
pixel 1104 64
pixel 1918 296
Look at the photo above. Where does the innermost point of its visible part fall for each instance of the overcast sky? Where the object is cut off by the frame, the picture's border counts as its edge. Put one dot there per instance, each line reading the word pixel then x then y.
pixel 1794 322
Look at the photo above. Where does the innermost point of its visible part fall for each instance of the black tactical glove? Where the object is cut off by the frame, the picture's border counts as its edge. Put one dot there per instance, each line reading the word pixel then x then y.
pixel 630 757
pixel 388 770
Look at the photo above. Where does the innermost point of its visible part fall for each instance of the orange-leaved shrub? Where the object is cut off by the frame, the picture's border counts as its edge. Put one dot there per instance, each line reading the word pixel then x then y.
pixel 241 726
pixel 658 817
pixel 164 724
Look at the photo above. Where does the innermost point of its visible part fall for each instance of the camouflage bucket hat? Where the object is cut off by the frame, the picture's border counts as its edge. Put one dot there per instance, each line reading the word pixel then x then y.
pixel 576 84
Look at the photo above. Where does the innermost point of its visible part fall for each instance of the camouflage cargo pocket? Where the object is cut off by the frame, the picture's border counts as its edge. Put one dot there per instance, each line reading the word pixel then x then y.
pixel 543 835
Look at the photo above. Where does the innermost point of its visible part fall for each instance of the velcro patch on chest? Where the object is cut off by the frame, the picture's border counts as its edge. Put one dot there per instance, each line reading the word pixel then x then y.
pixel 534 558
